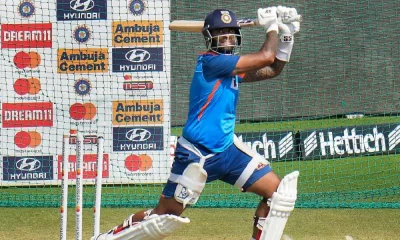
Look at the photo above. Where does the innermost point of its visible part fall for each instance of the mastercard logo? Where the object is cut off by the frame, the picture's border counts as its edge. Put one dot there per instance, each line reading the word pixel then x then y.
pixel 27 59
pixel 30 139
pixel 85 111
pixel 138 163
pixel 23 86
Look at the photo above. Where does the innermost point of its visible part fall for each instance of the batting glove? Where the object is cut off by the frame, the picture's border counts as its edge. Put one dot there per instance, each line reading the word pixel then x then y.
pixel 267 17
pixel 288 20
pixel 288 24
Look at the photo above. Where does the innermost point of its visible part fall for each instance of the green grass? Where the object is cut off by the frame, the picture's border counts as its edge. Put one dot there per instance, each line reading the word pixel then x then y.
pixel 212 224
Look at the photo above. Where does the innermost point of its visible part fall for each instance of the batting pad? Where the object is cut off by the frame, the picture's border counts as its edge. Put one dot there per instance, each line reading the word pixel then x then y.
pixel 282 204
pixel 155 227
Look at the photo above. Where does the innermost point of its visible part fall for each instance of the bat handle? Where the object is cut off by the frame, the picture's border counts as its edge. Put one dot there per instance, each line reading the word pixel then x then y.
pixel 247 22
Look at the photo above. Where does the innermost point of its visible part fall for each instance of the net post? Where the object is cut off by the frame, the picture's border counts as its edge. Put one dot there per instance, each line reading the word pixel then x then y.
pixel 64 188
pixel 99 178
pixel 79 186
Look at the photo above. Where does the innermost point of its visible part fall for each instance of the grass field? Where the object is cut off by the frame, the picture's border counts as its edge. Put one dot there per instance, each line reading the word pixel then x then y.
pixel 214 224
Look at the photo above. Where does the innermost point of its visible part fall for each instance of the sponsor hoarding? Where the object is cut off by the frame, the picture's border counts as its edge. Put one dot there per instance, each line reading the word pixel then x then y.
pixel 89 166
pixel 68 10
pixel 350 141
pixel 35 114
pixel 27 168
pixel 138 139
pixel 137 112
pixel 24 35
pixel 137 59
pixel 273 146
pixel 137 33
pixel 89 60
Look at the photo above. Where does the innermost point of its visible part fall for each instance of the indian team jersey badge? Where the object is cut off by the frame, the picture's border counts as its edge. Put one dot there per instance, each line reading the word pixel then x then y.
pixel 226 17
pixel 26 8
pixel 137 7
pixel 82 86
pixel 82 34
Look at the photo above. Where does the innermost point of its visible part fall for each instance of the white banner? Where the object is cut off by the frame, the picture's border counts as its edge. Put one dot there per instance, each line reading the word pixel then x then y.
pixel 95 66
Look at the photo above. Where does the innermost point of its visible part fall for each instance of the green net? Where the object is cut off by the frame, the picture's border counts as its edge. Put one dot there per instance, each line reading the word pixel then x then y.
pixel 332 114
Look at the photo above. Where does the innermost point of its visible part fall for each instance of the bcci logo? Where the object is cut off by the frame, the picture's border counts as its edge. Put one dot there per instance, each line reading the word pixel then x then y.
pixel 82 87
pixel 82 34
pixel 137 7
pixel 26 8
pixel 226 17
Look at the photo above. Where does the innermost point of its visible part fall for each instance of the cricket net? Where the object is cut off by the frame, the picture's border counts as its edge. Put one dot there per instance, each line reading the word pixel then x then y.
pixel 113 69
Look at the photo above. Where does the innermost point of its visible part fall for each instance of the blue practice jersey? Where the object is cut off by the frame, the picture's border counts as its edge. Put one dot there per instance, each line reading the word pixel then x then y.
pixel 213 99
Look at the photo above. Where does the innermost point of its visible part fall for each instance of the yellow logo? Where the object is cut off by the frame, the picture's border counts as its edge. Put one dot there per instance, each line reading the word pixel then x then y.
pixel 90 60
pixel 138 112
pixel 137 33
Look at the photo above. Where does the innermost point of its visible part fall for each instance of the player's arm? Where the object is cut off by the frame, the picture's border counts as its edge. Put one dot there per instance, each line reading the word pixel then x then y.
pixel 267 17
pixel 266 72
pixel 265 57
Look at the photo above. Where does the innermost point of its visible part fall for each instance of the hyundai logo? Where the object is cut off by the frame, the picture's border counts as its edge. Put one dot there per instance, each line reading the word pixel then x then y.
pixel 81 5
pixel 137 55
pixel 28 164
pixel 138 135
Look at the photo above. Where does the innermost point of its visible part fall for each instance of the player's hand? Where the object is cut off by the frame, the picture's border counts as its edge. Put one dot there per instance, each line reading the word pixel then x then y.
pixel 268 18
pixel 288 23
pixel 288 15
pixel 288 20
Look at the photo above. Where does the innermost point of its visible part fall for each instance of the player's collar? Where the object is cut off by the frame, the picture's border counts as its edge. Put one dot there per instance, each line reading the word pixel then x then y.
pixel 209 53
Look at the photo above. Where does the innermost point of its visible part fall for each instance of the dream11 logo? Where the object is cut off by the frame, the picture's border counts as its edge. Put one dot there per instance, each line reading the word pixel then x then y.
pixel 89 166
pixel 33 35
pixel 27 114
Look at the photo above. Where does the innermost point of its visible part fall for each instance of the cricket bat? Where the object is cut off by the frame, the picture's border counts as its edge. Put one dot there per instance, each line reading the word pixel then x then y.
pixel 197 26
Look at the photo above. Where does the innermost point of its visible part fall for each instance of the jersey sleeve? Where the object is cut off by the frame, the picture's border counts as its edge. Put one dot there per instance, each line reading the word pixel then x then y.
pixel 220 66
pixel 240 77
